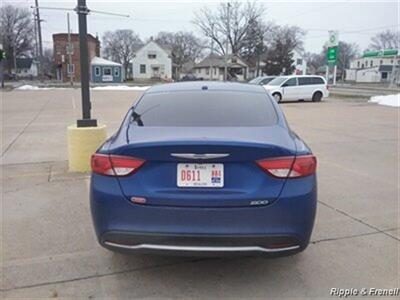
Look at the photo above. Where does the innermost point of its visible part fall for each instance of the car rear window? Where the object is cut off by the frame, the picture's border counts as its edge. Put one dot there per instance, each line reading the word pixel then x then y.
pixel 318 80
pixel 206 108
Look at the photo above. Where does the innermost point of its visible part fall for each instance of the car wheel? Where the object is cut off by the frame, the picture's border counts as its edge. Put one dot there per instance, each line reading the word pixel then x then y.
pixel 317 97
pixel 277 97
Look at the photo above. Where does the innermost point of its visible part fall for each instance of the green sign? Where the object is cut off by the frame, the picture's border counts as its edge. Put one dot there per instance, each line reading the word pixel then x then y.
pixel 332 55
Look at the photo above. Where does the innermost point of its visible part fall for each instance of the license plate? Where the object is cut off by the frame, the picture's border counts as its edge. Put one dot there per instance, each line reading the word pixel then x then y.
pixel 200 175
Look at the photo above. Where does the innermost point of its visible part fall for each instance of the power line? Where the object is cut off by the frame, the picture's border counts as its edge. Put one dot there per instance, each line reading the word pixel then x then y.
pixel 356 31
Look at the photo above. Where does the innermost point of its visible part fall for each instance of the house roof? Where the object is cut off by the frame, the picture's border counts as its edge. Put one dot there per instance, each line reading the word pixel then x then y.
pixel 98 61
pixel 219 61
pixel 24 63
pixel 166 49
pixel 74 36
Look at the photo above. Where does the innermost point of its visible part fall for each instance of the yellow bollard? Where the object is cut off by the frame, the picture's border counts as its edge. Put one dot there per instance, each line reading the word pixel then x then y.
pixel 82 143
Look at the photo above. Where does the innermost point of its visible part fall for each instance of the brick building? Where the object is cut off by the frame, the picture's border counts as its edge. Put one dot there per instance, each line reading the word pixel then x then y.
pixel 61 58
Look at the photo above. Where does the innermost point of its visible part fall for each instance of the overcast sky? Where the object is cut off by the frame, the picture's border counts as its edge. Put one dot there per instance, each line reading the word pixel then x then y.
pixel 357 21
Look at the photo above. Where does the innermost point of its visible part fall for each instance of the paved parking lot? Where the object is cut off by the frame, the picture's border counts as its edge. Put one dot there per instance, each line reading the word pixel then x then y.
pixel 48 247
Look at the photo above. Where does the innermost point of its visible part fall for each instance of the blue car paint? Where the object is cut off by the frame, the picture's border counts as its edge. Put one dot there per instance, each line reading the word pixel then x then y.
pixel 291 205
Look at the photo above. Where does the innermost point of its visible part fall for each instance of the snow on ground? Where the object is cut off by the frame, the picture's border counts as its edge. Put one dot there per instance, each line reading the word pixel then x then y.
pixel 388 100
pixel 120 88
pixel 28 87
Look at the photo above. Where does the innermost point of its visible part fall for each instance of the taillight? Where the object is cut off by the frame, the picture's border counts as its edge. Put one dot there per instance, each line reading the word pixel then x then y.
pixel 115 165
pixel 327 87
pixel 289 166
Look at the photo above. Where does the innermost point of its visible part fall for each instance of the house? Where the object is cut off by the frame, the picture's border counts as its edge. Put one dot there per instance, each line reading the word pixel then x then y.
pixel 152 62
pixel 374 66
pixel 103 70
pixel 213 68
pixel 26 68
pixel 65 68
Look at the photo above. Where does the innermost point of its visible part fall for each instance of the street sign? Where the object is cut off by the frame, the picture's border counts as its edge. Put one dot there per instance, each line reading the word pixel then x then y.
pixel 332 55
pixel 333 38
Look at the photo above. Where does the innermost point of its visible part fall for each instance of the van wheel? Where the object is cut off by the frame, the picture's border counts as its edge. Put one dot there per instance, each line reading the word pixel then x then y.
pixel 277 97
pixel 317 97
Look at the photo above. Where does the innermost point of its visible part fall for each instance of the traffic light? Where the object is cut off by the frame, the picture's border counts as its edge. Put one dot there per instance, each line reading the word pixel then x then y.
pixel 2 54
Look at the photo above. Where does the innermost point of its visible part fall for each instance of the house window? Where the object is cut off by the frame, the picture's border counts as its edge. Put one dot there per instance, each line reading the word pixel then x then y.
pixel 142 69
pixel 70 68
pixel 358 64
pixel 199 71
pixel 207 71
pixel 234 60
pixel 97 71
pixel 215 71
pixel 106 71
pixel 299 61
pixel 381 62
pixel 371 63
pixel 151 56
pixel 116 71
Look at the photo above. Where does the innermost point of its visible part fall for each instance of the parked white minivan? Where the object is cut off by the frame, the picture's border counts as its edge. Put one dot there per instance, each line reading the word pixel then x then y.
pixel 298 87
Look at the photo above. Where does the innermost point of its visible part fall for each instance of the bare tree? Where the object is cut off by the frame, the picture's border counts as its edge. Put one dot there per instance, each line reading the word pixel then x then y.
pixel 388 39
pixel 314 61
pixel 232 21
pixel 184 46
pixel 120 46
pixel 347 52
pixel 16 32
pixel 284 41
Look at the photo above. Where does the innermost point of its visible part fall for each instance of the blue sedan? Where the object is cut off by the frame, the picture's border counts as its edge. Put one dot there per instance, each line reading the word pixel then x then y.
pixel 204 168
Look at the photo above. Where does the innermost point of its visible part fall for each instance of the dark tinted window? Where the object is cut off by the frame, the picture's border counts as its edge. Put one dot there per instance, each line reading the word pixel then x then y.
pixel 305 80
pixel 206 108
pixel 318 80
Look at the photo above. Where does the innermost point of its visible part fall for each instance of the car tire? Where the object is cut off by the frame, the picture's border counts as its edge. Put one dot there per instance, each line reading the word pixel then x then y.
pixel 278 97
pixel 317 97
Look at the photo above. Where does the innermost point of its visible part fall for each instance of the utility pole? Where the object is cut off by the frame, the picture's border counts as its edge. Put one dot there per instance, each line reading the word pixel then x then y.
pixel 86 120
pixel 39 30
pixel 2 59
pixel 227 41
pixel 71 72
pixel 212 51
pixel 36 38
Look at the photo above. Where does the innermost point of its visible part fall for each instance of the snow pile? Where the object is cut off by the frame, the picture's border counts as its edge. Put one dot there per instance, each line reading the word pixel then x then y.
pixel 388 100
pixel 28 87
pixel 120 88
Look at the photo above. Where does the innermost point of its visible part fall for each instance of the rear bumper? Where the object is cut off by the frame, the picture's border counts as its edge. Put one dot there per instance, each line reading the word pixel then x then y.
pixel 200 244
pixel 281 228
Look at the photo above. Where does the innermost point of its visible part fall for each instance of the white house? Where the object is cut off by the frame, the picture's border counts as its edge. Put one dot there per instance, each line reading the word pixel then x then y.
pixel 237 68
pixel 374 66
pixel 26 67
pixel 152 62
